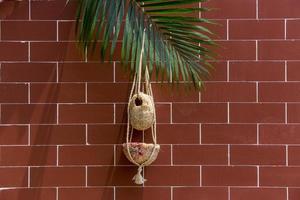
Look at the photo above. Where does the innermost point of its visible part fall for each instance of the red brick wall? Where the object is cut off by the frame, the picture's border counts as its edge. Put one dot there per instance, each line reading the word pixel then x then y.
pixel 62 119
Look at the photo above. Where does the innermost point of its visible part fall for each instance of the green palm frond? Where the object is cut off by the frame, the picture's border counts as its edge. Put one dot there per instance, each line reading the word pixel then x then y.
pixel 176 44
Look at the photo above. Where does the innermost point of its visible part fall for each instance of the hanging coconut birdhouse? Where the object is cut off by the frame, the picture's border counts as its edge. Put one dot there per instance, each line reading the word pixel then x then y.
pixel 141 111
pixel 141 116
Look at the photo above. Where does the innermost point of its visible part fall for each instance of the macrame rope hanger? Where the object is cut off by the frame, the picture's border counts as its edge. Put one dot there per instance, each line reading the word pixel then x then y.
pixel 136 88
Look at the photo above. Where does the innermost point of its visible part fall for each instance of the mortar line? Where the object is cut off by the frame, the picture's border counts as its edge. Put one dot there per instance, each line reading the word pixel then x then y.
pixel 285 71
pixel 285 28
pixel 200 133
pixel 228 70
pixel 28 179
pixel 227 31
pixel 57 113
pixel 286 113
pixel 29 92
pixel 256 50
pixel 29 134
pixel 29 10
pixel 258 183
pixel 256 88
pixel 57 155
pixel 257 133
pixel 286 155
pixel 257 10
pixel 228 154
pixel 86 134
pixel 57 30
pixel 86 174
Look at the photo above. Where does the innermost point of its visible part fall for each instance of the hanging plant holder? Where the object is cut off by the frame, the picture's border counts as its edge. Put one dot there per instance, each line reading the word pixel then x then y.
pixel 141 152
pixel 141 116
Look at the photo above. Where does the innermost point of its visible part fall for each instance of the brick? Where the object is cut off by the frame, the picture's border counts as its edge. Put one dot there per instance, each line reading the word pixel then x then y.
pixel 86 113
pixel 279 176
pixel 256 113
pixel 162 113
pixel 163 158
pixel 293 70
pixel 278 92
pixel 53 10
pixel 278 9
pixel 229 92
pixel 13 93
pixel 110 176
pixel 257 155
pixel 57 93
pixel 28 72
pixel 86 193
pixel 85 72
pixel 108 92
pixel 219 72
pixel 256 29
pixel 273 50
pixel 106 134
pixel 28 114
pixel 236 50
pixel 57 176
pixel 228 134
pixel 191 193
pixel 25 155
pixel 146 193
pixel 28 30
pixel 224 9
pixel 258 193
pixel 180 133
pixel 14 51
pixel 229 176
pixel 66 30
pixel 293 155
pixel 279 134
pixel 199 113
pixel 57 134
pixel 294 193
pixel 293 112
pixel 55 51
pixel 172 175
pixel 199 155
pixel 13 177
pixel 86 155
pixel 219 29
pixel 94 56
pixel 28 193
pixel 178 93
pixel 292 29
pixel 122 73
pixel 13 10
pixel 13 135
pixel 247 71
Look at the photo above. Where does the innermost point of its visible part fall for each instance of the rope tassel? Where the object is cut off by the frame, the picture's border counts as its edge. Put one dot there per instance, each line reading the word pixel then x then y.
pixel 138 178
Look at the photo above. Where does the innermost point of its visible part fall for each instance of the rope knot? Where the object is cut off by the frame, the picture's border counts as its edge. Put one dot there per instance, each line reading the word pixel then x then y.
pixel 138 178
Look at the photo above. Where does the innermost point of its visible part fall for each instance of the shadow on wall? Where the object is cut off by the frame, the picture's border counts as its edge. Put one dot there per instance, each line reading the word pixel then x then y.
pixel 42 115
pixel 7 8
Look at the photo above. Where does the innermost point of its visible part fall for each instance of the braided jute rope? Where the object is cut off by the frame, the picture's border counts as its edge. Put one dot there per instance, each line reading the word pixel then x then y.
pixel 136 88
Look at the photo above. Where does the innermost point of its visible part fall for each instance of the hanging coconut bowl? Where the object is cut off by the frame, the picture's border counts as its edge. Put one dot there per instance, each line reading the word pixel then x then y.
pixel 141 152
